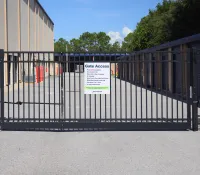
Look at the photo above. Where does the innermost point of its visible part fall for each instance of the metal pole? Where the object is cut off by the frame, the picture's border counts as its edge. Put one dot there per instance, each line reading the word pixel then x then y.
pixel 188 86
pixel 194 93
pixel 62 88
pixel 1 88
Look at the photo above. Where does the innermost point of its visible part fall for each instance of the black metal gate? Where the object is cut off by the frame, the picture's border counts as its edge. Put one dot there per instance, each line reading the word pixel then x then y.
pixel 57 100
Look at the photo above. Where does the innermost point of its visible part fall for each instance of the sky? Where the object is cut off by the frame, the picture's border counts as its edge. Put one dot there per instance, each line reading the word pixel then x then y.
pixel 115 17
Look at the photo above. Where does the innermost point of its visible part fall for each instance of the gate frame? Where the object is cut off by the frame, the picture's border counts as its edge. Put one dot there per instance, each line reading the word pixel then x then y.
pixel 96 125
pixel 194 80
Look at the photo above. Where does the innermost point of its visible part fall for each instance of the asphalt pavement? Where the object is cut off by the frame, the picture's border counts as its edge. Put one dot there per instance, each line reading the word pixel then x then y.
pixel 100 153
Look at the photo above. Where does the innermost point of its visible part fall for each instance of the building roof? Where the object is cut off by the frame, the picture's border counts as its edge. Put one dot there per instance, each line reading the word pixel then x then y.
pixel 44 11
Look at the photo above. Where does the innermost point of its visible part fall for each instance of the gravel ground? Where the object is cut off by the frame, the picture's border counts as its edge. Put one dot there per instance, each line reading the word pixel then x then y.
pixel 100 153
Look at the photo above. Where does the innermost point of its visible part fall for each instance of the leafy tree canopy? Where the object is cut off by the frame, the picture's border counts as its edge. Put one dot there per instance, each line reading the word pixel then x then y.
pixel 170 20
pixel 88 42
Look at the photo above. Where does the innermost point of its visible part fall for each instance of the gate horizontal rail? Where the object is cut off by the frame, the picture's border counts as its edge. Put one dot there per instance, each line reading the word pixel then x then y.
pixel 102 126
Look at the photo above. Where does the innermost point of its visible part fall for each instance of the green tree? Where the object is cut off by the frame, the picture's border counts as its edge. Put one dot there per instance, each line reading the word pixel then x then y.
pixel 75 45
pixel 61 45
pixel 88 42
pixel 153 29
pixel 94 42
pixel 115 47
pixel 103 41
pixel 127 44
pixel 186 18
pixel 171 20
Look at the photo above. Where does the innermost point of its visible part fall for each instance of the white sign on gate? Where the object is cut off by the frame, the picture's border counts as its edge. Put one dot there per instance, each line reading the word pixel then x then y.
pixel 96 78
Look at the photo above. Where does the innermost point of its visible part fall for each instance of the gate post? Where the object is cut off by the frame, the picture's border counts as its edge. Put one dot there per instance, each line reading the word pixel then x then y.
pixel 194 91
pixel 1 88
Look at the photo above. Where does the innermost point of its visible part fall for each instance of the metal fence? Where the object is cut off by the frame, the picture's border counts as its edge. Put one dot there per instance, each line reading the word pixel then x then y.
pixel 146 91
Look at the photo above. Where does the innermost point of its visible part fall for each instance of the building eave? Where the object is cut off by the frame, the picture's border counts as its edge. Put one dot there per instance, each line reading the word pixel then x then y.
pixel 44 11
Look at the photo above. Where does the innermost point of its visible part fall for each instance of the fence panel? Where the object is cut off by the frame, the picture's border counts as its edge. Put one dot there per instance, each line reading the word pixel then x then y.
pixel 95 91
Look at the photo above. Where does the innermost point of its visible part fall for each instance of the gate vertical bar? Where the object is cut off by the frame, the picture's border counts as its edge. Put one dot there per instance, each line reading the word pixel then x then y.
pixel 2 88
pixel 62 86
pixel 194 93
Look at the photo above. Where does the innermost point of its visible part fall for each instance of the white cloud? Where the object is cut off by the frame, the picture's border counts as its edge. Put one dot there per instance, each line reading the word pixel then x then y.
pixel 117 36
pixel 126 31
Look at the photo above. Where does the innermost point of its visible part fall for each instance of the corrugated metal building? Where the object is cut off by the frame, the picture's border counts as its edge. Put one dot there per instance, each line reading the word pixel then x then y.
pixel 24 26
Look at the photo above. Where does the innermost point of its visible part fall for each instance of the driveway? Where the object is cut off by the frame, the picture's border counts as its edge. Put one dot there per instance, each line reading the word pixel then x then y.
pixel 100 153
pixel 125 101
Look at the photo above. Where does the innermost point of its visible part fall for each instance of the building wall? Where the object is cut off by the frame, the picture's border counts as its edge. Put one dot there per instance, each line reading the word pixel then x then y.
pixel 12 22
pixel 41 38
pixel 25 26
pixel 114 68
pixel 32 24
pixel 2 22
pixel 37 26
pixel 52 37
